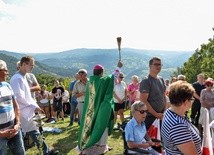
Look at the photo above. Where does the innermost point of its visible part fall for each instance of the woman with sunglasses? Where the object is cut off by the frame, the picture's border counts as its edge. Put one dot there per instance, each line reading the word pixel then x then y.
pixel 135 131
pixel 179 135
pixel 120 95
pixel 206 99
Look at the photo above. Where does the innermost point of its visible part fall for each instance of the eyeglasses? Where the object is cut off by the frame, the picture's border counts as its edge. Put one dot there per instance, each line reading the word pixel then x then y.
pixel 121 77
pixel 209 85
pixel 157 64
pixel 192 99
pixel 143 111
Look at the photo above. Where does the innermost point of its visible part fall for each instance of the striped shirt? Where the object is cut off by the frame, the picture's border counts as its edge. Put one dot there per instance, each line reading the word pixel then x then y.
pixel 7 115
pixel 177 130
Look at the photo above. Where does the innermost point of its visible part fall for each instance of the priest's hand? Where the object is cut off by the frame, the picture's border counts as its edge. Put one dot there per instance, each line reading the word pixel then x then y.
pixel 119 64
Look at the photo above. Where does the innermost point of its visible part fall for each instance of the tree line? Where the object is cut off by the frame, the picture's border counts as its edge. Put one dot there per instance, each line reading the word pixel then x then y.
pixel 202 61
pixel 48 80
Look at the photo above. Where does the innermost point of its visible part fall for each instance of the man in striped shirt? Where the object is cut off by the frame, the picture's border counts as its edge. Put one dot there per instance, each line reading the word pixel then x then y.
pixel 10 133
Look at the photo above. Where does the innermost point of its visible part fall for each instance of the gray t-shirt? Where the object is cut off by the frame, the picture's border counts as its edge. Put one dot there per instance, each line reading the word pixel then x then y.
pixel 156 89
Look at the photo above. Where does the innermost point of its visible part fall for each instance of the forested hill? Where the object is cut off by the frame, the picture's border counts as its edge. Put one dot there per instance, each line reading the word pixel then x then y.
pixel 135 61
pixel 39 68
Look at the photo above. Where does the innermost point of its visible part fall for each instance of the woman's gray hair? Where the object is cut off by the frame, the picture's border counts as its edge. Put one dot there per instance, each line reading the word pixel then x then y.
pixel 3 64
pixel 136 106
pixel 181 77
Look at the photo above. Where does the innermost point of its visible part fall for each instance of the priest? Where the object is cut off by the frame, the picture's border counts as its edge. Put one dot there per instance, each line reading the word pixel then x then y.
pixel 98 113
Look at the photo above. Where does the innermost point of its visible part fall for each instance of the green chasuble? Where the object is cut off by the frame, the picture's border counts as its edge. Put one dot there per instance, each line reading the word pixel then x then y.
pixel 98 110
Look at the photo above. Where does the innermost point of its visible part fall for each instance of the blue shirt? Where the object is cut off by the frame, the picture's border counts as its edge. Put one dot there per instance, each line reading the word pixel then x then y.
pixel 73 99
pixel 134 132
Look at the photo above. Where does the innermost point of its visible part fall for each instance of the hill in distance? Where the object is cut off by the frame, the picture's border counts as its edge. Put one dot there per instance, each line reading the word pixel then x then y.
pixel 135 61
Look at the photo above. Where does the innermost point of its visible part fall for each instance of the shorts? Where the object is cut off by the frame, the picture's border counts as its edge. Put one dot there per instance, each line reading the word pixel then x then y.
pixel 57 106
pixel 118 106
pixel 44 104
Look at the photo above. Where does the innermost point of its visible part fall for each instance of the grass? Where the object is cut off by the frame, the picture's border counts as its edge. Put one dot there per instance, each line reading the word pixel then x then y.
pixel 66 141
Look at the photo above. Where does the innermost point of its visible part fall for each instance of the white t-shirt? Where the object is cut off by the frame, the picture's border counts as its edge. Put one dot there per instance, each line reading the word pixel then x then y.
pixel 65 97
pixel 119 90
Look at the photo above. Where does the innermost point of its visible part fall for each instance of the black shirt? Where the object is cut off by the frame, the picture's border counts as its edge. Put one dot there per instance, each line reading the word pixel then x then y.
pixel 198 88
pixel 58 91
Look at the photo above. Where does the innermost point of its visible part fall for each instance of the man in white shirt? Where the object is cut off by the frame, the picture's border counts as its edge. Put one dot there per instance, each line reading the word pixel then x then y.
pixel 28 106
pixel 32 82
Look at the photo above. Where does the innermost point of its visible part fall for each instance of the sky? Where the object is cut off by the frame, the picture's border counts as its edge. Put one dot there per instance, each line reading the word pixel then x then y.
pixel 42 26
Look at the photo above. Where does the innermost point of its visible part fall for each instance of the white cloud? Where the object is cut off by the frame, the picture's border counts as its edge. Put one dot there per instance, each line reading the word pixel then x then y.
pixel 57 25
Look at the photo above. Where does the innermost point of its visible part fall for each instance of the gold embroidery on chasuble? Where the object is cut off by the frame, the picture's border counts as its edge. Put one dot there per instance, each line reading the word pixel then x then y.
pixel 89 115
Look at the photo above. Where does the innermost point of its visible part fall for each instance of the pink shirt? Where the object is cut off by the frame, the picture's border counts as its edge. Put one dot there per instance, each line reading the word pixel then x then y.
pixel 133 89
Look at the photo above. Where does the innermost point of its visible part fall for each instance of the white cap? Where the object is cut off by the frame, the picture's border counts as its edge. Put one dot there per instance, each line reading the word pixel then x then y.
pixel 82 70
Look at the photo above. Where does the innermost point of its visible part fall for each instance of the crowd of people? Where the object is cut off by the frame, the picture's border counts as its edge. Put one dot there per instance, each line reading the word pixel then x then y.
pixel 95 103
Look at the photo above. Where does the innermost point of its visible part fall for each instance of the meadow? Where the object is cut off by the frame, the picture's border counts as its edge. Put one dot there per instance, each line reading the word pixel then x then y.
pixel 66 141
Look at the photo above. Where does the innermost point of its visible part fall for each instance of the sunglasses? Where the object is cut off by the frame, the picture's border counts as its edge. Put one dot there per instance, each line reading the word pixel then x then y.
pixel 121 77
pixel 157 64
pixel 143 111
pixel 4 70
pixel 81 72
pixel 209 85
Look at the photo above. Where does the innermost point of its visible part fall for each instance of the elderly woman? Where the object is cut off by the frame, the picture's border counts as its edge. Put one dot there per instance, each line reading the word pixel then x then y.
pixel 135 131
pixel 120 94
pixel 178 134
pixel 207 95
pixel 207 101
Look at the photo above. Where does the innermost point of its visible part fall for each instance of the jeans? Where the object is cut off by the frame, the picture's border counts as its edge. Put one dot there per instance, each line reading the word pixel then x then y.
pixel 15 144
pixel 37 138
pixel 73 108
